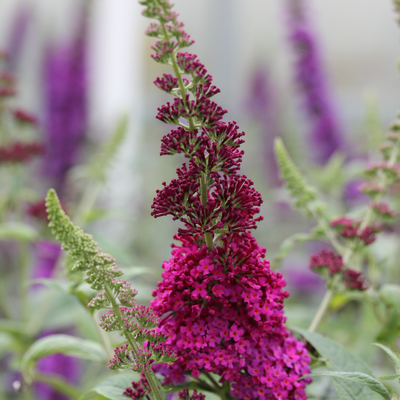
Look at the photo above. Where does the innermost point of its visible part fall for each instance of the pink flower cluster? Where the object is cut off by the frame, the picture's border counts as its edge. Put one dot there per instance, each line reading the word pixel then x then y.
pixel 184 395
pixel 139 390
pixel 224 314
pixel 348 228
pixel 20 152
pixel 327 260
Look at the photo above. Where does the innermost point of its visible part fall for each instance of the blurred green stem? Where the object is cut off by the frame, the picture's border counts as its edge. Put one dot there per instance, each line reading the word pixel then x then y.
pixel 321 311
pixel 23 279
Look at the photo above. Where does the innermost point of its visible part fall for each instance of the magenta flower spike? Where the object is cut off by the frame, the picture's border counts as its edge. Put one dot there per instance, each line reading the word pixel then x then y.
pixel 325 136
pixel 220 304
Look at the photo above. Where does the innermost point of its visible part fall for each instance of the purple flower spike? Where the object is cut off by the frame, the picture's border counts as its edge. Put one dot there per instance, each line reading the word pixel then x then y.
pixel 325 136
pixel 65 104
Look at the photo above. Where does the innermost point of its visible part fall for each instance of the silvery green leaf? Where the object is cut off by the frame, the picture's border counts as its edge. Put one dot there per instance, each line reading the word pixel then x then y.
pixel 64 344
pixel 340 360
pixel 112 387
pixel 355 377
pixel 395 357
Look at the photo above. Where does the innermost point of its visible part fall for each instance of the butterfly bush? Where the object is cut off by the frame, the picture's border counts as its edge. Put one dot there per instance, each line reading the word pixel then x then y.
pixel 220 304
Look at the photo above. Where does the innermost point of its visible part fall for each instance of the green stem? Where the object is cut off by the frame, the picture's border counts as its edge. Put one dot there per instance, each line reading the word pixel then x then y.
pixel 203 198
pixel 153 385
pixel 221 391
pixel 88 199
pixel 104 338
pixel 23 278
pixel 321 311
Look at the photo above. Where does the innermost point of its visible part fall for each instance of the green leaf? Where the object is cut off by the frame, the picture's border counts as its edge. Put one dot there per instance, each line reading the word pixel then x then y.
pixel 395 357
pixel 356 377
pixel 17 231
pixel 390 294
pixel 389 377
pixel 287 245
pixel 340 360
pixel 7 344
pixel 63 287
pixel 13 327
pixel 63 344
pixel 131 272
pixel 112 388
pixel 390 329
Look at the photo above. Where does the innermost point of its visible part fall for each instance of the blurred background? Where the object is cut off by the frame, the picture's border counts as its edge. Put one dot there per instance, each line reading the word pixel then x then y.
pixel 80 66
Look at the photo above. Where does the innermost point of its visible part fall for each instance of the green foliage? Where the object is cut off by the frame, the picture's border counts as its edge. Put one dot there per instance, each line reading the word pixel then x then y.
pixel 17 231
pixel 111 388
pixel 295 183
pixel 64 344
pixel 340 360
pixel 356 377
pixel 103 159
pixel 394 356
pixel 288 244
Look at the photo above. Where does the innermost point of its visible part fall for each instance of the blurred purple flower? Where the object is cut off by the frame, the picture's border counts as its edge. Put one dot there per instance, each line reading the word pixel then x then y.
pixel 302 281
pixel 326 136
pixel 65 103
pixel 47 254
pixel 68 368
pixel 263 108
pixel 17 37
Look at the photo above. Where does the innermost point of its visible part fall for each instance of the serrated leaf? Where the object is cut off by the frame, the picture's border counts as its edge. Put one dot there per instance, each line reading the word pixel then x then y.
pixel 111 388
pixel 340 360
pixel 17 231
pixel 64 344
pixel 395 357
pixel 357 377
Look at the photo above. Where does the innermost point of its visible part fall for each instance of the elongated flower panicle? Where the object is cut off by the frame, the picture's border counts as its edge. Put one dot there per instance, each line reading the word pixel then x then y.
pixel 325 135
pixel 221 305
